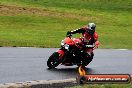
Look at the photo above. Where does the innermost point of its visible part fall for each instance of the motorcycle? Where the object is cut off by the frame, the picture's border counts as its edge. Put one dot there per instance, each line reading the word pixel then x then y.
pixel 71 53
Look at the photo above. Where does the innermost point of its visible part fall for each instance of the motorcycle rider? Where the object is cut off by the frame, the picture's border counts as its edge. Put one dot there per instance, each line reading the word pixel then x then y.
pixel 89 39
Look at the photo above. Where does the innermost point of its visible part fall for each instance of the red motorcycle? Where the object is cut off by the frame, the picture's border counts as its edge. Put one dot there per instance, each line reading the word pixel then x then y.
pixel 70 53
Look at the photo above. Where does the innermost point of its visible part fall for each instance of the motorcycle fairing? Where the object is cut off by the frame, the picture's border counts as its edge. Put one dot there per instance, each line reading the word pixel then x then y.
pixel 61 53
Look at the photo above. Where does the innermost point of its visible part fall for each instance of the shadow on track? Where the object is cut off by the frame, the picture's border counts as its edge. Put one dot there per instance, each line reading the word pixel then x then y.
pixel 72 72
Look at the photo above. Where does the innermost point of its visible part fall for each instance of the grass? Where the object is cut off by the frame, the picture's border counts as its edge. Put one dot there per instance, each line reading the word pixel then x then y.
pixel 53 18
pixel 104 86
pixel 31 31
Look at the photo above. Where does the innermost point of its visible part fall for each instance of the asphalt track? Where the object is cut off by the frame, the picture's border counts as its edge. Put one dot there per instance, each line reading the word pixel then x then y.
pixel 27 64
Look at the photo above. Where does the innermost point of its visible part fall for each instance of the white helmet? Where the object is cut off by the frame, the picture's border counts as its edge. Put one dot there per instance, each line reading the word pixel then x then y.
pixel 91 28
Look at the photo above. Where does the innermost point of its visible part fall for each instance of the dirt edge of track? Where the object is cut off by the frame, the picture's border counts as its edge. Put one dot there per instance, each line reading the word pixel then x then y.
pixel 41 84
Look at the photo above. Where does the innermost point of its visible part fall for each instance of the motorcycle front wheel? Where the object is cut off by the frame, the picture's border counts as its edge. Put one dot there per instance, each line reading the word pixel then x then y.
pixel 53 60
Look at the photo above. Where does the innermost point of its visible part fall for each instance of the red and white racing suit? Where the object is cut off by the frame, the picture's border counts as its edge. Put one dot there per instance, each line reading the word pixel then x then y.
pixel 88 39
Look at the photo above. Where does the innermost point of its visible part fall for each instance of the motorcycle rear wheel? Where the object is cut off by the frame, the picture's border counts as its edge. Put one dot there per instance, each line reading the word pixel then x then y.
pixel 53 60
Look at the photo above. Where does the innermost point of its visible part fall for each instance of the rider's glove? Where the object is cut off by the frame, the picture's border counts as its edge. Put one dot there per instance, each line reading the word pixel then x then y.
pixel 69 34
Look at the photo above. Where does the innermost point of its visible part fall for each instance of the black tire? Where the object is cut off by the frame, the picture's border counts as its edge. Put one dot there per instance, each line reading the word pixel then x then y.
pixel 53 60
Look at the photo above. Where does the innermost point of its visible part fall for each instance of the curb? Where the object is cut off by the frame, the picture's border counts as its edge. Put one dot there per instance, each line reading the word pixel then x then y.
pixel 41 84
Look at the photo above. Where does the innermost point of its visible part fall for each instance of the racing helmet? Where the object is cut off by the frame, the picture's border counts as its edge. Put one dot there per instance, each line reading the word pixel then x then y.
pixel 91 28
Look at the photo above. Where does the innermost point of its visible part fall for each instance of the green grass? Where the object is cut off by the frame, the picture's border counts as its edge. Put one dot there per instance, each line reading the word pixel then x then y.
pixel 32 31
pixel 104 86
pixel 108 5
pixel 113 19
